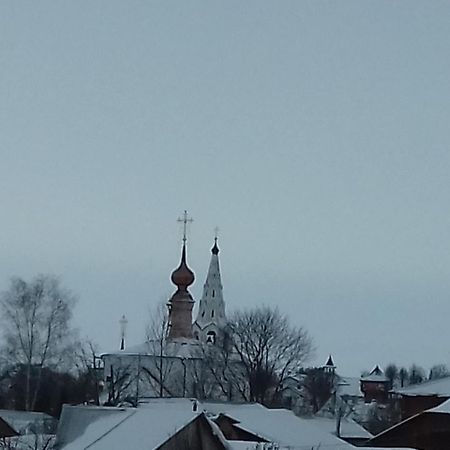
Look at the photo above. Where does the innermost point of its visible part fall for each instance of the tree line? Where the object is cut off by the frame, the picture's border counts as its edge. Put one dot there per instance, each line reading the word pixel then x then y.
pixel 415 374
pixel 43 363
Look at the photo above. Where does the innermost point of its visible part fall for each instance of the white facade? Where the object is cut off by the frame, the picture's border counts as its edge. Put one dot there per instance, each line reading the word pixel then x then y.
pixel 211 318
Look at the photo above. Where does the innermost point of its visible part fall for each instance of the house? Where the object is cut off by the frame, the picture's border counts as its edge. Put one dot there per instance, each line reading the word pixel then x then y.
pixel 186 424
pixel 375 386
pixel 419 397
pixel 428 430
pixel 163 424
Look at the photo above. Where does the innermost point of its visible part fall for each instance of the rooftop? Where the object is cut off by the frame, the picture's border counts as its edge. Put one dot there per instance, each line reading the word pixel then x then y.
pixel 439 388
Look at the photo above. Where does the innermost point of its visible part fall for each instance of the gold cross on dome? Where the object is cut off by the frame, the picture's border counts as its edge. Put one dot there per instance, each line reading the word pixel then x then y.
pixel 185 220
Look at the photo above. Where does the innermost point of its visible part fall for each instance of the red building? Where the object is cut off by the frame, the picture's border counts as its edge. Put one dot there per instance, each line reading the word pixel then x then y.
pixel 419 397
pixel 375 386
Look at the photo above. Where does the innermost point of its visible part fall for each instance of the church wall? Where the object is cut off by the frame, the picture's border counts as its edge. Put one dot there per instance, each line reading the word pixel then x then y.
pixel 181 377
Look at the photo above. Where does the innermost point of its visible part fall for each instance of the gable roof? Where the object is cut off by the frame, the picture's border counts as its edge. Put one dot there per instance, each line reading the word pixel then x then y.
pixel 406 424
pixel 277 425
pixel 105 428
pixel 376 376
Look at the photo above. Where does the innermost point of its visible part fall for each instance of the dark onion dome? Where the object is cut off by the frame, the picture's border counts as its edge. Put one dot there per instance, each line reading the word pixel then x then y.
pixel 215 249
pixel 182 277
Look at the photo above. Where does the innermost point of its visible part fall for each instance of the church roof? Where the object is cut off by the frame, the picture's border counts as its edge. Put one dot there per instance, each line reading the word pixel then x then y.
pixel 376 376
pixel 330 362
pixel 182 276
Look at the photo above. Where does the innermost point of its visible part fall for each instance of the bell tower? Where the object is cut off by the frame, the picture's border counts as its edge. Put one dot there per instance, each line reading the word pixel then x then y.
pixel 181 303
pixel 211 319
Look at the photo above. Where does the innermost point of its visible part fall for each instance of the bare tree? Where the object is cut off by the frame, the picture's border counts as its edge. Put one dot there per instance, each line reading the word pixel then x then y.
pixel 156 340
pixel 89 371
pixel 226 373
pixel 119 381
pixel 416 374
pixel 268 348
pixel 392 373
pixel 403 376
pixel 36 317
pixel 319 387
pixel 438 371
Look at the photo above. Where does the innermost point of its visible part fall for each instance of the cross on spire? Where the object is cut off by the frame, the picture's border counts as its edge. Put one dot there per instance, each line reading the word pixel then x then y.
pixel 185 220
pixel 216 234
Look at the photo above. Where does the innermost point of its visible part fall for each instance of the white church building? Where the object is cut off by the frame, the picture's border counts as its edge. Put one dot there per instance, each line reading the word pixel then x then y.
pixel 173 364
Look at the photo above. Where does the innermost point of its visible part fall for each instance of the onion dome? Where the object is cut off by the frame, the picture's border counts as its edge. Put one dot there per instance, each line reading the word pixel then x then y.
pixel 182 277
pixel 215 249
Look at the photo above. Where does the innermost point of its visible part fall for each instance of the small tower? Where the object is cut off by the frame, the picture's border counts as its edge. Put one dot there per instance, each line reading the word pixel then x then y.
pixel 211 317
pixel 181 303
pixel 329 367
pixel 123 329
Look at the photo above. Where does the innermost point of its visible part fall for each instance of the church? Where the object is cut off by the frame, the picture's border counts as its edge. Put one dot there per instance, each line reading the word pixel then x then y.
pixel 211 317
pixel 173 362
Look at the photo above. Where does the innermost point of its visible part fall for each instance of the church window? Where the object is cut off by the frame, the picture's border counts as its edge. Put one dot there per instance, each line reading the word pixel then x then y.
pixel 211 337
pixel 203 314
pixel 214 292
pixel 212 313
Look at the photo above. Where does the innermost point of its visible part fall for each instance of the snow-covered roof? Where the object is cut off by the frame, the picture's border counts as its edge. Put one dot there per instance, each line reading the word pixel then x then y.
pixel 349 386
pixel 25 422
pixel 443 408
pixel 177 348
pixel 439 388
pixel 349 428
pixel 280 426
pixel 376 376
pixel 101 428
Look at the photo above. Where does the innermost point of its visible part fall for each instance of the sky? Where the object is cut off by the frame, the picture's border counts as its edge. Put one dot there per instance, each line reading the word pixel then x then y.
pixel 314 134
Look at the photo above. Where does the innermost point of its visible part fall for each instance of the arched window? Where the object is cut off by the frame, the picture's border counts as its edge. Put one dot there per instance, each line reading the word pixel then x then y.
pixel 214 293
pixel 212 313
pixel 211 337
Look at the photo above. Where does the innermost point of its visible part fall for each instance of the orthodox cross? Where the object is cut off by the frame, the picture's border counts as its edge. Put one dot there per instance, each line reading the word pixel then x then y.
pixel 216 234
pixel 185 220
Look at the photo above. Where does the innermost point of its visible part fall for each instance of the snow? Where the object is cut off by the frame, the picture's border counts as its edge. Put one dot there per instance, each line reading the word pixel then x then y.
pixel 349 386
pixel 25 422
pixel 443 408
pixel 29 441
pixel 276 425
pixel 119 428
pixel 440 388
pixel 153 422
pixel 349 428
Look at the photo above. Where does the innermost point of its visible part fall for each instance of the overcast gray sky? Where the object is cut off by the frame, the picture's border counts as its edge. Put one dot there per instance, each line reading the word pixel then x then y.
pixel 315 134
